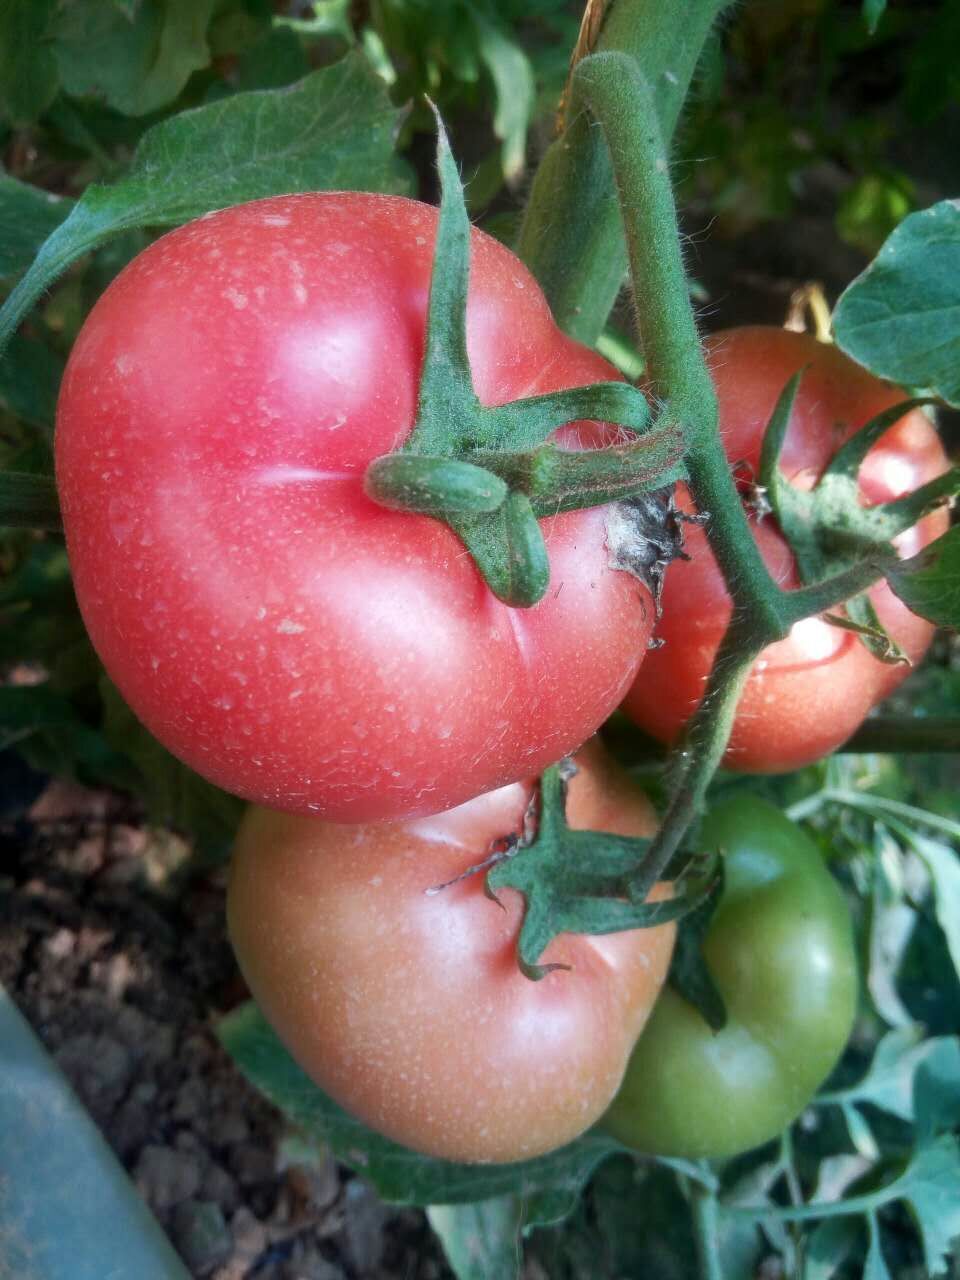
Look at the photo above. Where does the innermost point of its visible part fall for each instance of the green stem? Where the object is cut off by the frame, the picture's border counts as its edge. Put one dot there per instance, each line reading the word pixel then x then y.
pixel 703 1203
pixel 865 1204
pixel 617 95
pixel 820 597
pixel 896 734
pixel 572 233
pixel 696 758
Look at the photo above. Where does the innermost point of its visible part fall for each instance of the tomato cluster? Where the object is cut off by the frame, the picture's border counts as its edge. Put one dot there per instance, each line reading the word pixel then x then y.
pixel 338 662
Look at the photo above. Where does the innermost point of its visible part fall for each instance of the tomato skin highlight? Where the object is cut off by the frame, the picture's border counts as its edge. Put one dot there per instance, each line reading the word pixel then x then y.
pixel 780 950
pixel 408 1007
pixel 282 634
pixel 807 694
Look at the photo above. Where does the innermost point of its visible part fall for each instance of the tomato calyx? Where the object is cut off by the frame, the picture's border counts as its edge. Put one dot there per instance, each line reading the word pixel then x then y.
pixel 828 528
pixel 689 974
pixel 579 881
pixel 485 470
pixel 645 536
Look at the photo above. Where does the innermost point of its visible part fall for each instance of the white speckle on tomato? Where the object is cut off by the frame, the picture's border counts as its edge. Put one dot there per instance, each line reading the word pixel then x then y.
pixel 288 627
pixel 236 298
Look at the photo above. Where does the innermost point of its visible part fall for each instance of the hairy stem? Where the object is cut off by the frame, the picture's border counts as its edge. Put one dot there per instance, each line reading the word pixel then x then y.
pixel 618 96
pixel 703 1203
pixel 695 760
pixel 572 232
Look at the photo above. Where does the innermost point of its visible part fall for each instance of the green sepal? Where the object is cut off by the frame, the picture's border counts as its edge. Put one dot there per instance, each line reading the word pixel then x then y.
pixel 689 974
pixel 830 531
pixel 507 547
pixel 29 502
pixel 861 617
pixel 576 881
pixel 522 424
pixel 502 535
pixel 557 479
pixel 447 404
pixel 929 583
pixel 432 486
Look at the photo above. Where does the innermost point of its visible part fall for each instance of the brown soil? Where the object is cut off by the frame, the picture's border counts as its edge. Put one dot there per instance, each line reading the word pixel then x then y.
pixel 124 980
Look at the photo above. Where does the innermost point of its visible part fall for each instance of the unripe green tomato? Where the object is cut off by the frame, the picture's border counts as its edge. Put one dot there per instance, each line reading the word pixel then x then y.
pixel 780 950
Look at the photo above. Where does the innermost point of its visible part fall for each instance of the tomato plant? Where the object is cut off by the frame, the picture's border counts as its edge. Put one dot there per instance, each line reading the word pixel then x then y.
pixel 408 1006
pixel 808 693
pixel 291 640
pixel 780 951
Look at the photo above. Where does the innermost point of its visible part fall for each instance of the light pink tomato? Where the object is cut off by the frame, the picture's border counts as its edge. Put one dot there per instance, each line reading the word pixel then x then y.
pixel 407 1006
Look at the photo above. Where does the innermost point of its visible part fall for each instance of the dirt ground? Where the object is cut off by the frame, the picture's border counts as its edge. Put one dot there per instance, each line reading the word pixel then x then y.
pixel 123 982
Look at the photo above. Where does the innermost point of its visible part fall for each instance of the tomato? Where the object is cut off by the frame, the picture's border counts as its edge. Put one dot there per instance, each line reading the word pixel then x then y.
pixel 279 632
pixel 408 1007
pixel 780 950
pixel 807 694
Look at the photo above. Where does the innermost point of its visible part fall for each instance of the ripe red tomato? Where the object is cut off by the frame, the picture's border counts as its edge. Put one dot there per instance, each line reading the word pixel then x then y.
pixel 408 1008
pixel 807 694
pixel 273 627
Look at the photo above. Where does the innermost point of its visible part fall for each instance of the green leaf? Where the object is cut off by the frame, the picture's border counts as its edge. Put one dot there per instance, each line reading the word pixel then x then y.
pixel 28 72
pixel 51 1155
pixel 828 1246
pixel 890 1082
pixel 50 733
pixel 27 216
pixel 944 867
pixel 861 1135
pixel 873 11
pixel 175 796
pixel 929 583
pixel 512 76
pixel 332 131
pixel 657 1243
pixel 874 207
pixel 28 502
pixel 931 1187
pixel 30 374
pixel 135 63
pixel 901 317
pixel 936 1090
pixel 481 1239
pixel 874 1267
pixel 272 62
pixel 892 920
pixel 401 1175
pixel 689 974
